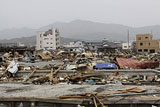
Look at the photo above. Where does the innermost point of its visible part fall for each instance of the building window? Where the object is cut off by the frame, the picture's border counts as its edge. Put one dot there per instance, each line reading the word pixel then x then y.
pixel 145 50
pixel 45 34
pixel 46 38
pixel 125 46
pixel 149 44
pixel 152 51
pixel 141 44
pixel 139 50
pixel 40 35
pixel 40 42
pixel 51 47
pixel 146 37
pixel 139 38
pixel 51 43
pixel 47 43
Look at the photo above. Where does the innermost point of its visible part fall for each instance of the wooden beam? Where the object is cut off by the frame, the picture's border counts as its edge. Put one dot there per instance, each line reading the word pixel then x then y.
pixel 30 74
pixel 51 77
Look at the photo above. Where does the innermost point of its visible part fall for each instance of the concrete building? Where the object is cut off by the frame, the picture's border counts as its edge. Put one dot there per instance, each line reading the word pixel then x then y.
pixel 49 40
pixel 145 44
pixel 126 46
pixel 76 46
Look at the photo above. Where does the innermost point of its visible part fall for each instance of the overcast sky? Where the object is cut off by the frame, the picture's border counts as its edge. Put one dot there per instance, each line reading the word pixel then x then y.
pixel 37 13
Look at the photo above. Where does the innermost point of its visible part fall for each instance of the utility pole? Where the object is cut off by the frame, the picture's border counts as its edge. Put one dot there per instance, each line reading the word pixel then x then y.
pixel 128 38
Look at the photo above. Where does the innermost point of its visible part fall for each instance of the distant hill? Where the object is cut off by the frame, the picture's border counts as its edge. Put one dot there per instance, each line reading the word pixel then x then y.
pixel 82 29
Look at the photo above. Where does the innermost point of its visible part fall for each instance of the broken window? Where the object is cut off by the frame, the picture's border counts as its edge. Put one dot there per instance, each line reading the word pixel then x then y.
pixel 152 51
pixel 46 38
pixel 139 50
pixel 145 50
pixel 45 34
pixel 141 44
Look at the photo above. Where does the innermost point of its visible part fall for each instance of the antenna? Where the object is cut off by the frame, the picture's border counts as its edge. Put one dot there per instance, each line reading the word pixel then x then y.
pixel 128 38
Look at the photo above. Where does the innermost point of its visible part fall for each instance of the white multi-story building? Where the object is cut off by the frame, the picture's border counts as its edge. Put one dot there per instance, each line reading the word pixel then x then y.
pixel 49 40
pixel 126 45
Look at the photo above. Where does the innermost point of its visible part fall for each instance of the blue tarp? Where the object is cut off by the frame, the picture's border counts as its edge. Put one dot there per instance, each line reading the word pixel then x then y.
pixel 105 66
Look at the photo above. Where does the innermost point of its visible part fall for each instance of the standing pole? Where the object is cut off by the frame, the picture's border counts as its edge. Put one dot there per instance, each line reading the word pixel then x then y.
pixel 128 38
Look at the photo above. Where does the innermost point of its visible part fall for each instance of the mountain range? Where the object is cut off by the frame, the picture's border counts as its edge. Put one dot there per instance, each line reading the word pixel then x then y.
pixel 80 29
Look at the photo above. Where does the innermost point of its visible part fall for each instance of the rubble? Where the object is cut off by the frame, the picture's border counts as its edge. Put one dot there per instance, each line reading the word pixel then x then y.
pixel 86 67
pixel 122 73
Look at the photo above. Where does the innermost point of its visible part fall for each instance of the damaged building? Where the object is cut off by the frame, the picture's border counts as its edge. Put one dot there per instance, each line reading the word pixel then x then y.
pixel 145 44
pixel 76 46
pixel 48 40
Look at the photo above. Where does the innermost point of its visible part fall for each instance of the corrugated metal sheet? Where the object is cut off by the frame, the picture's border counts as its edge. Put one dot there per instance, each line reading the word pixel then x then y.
pixel 135 64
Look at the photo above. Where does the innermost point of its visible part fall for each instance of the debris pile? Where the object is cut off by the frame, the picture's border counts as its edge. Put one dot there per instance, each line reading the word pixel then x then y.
pixel 79 68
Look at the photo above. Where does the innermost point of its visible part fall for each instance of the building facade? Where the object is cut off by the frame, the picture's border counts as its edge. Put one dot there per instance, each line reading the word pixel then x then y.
pixel 48 40
pixel 145 44
pixel 76 46
pixel 126 46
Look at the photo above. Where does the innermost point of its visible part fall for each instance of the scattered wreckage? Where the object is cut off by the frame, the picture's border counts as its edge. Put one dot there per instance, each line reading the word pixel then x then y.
pixel 123 75
pixel 79 69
